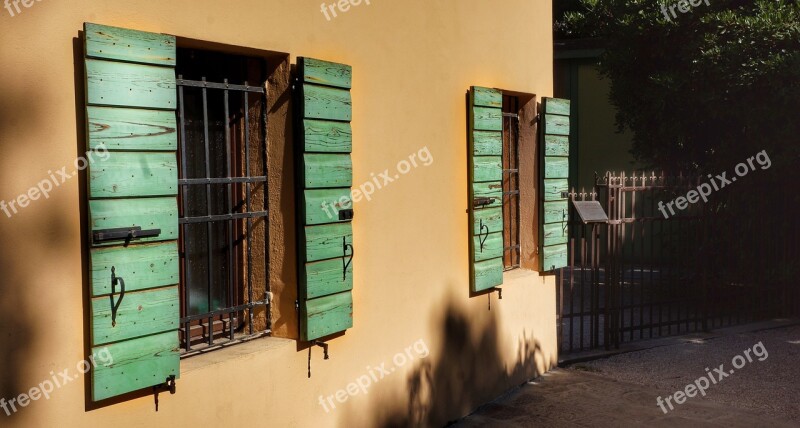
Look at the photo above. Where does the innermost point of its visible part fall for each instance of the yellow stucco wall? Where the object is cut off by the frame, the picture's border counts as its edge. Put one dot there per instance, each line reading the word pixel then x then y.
pixel 413 61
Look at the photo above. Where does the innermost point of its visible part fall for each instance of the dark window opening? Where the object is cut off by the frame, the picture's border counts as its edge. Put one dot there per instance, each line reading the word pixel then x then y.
pixel 222 198
pixel 511 240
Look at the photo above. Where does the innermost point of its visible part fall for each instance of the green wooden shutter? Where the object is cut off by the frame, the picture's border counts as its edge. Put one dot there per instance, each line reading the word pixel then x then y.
pixel 486 195
pixel 554 209
pixel 325 177
pixel 130 96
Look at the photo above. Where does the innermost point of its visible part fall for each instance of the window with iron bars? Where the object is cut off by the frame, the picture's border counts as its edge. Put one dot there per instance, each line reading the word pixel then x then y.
pixel 222 122
pixel 511 193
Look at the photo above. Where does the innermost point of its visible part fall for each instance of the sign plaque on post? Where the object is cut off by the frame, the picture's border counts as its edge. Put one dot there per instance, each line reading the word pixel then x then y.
pixel 590 211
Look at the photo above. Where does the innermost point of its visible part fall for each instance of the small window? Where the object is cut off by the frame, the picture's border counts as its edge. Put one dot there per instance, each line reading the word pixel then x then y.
pixel 511 192
pixel 222 188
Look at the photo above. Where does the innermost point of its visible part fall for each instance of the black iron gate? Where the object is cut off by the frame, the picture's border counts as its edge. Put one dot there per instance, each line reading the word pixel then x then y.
pixel 647 274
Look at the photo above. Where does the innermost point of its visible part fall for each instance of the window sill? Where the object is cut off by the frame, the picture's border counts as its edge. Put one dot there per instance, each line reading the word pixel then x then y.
pixel 519 273
pixel 234 352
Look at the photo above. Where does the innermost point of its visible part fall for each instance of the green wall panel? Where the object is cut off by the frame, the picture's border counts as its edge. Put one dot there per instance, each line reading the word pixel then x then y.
pixel 487 119
pixel 487 168
pixel 492 246
pixel 487 143
pixel 553 214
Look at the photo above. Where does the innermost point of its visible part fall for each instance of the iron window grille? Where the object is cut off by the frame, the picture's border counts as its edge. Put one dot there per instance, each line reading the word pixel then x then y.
pixel 511 194
pixel 220 125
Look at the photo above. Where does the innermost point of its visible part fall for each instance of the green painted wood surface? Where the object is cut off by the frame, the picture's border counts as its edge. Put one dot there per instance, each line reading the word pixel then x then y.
pixel 327 315
pixel 491 217
pixel 130 85
pixel 556 212
pixel 129 45
pixel 326 73
pixel 323 205
pixel 327 136
pixel 326 277
pixel 492 189
pixel 492 246
pixel 554 257
pixel 487 168
pixel 487 119
pixel 486 97
pixel 556 167
pixel 487 274
pixel 143 266
pixel 325 241
pixel 556 106
pixel 555 233
pixel 327 170
pixel 554 187
pixel 140 313
pixel 487 143
pixel 137 364
pixel 149 213
pixel 556 145
pixel 132 129
pixel 321 102
pixel 126 174
pixel 556 125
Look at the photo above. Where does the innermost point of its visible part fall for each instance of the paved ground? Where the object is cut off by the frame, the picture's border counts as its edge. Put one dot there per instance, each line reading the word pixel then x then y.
pixel 622 390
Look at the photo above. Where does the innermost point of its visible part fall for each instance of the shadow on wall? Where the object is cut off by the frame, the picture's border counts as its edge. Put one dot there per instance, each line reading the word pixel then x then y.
pixel 18 310
pixel 468 370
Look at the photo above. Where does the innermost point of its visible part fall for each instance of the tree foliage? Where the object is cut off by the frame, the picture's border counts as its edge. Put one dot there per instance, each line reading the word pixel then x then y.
pixel 703 90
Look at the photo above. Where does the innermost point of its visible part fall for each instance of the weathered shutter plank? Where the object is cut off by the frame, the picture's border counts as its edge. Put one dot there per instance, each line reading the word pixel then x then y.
pixel 328 315
pixel 327 277
pixel 130 85
pixel 326 170
pixel 327 136
pixel 131 129
pixel 142 266
pixel 138 314
pixel 137 364
pixel 129 45
pixel 126 174
pixel 323 205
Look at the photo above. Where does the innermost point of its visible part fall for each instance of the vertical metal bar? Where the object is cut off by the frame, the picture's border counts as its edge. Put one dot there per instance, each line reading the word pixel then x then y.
pixel 230 224
pixel 247 202
pixel 184 198
pixel 650 261
pixel 572 299
pixel 209 225
pixel 265 133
